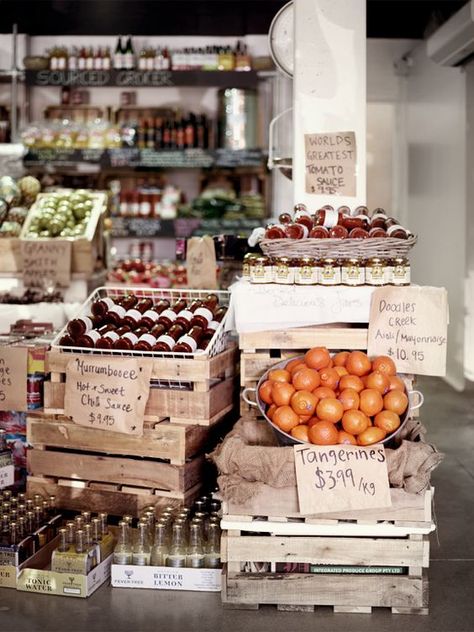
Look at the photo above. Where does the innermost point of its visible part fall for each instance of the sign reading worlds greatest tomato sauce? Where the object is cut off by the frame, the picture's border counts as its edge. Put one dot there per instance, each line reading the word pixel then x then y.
pixel 341 477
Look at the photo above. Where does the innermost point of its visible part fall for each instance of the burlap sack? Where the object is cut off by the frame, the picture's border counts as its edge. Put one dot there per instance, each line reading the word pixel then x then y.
pixel 250 454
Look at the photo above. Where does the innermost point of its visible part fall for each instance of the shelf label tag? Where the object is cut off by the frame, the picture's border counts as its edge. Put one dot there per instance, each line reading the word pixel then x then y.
pixel 13 370
pixel 46 262
pixel 341 478
pixel 201 263
pixel 410 325
pixel 108 393
pixel 330 163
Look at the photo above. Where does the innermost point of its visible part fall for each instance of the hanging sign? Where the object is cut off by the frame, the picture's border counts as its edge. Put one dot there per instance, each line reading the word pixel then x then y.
pixel 108 393
pixel 340 478
pixel 330 163
pixel 410 324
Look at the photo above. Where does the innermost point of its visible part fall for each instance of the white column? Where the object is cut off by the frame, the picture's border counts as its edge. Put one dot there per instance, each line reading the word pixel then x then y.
pixel 330 98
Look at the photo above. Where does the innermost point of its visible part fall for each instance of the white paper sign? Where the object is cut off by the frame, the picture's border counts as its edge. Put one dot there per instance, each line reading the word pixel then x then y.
pixel 341 477
pixel 7 476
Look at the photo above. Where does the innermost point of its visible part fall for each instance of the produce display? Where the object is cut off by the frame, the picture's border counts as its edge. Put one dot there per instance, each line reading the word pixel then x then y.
pixel 154 274
pixel 15 200
pixel 30 296
pixel 347 398
pixel 61 214
pixel 341 223
pixel 130 323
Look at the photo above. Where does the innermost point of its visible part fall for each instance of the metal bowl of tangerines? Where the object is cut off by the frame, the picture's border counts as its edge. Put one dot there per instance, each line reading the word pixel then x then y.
pixel 346 398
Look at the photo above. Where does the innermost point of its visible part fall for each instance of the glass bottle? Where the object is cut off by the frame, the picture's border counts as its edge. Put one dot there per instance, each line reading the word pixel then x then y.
pixel 108 339
pixel 168 316
pixel 96 530
pixel 90 546
pixel 117 312
pixel 205 314
pixel 141 549
pixel 63 546
pixel 128 519
pixel 104 527
pixel 79 326
pixel 123 550
pixel 128 341
pixel 52 510
pixel 91 337
pixel 78 522
pixel 133 316
pixel 185 316
pixel 159 552
pixel 118 54
pixel 13 536
pixel 167 342
pixel 147 341
pixel 190 341
pixel 195 556
pixel 101 306
pixel 150 317
pixel 70 534
pixel 177 553
pixel 213 548
pixel 129 55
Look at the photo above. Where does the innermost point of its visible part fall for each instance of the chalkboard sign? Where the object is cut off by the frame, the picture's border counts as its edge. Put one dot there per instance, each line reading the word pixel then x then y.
pixel 188 158
pixel 182 227
pixel 121 157
pixel 238 158
pixel 63 156
pixel 142 227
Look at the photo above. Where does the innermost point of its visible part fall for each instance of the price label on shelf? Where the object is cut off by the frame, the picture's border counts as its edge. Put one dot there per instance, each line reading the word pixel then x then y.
pixel 330 162
pixel 46 262
pixel 410 324
pixel 13 367
pixel 341 477
pixel 108 393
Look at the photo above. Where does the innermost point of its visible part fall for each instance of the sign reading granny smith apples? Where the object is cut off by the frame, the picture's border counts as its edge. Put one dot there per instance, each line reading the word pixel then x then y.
pixel 46 262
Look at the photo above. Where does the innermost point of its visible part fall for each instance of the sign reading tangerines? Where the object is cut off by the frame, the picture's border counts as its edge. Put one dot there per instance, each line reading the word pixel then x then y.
pixel 341 478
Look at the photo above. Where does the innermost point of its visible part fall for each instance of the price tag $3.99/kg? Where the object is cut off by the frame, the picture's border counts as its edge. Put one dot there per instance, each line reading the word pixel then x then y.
pixel 342 477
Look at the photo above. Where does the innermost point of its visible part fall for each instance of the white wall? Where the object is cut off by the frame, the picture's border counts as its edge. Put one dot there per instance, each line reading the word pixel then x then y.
pixel 436 189
pixel 469 286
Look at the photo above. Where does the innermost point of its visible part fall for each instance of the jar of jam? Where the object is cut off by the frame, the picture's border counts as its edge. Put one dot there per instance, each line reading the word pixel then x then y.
pixel 150 317
pixel 189 342
pixel 352 272
pixel 246 265
pixel 168 316
pixel 205 312
pixel 376 271
pixel 400 271
pixel 111 336
pixel 283 271
pixel 261 270
pixel 307 272
pixel 167 342
pixel 330 272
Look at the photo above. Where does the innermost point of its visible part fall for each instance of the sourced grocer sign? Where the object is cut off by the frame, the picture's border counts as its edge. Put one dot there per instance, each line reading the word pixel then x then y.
pixel 341 478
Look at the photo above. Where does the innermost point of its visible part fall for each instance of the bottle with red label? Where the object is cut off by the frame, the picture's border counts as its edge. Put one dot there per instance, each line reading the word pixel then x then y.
pixel 166 342
pixel 150 317
pixel 378 219
pixel 296 230
pixel 108 339
pixel 90 338
pixel 189 342
pixel 185 315
pixel 78 326
pixel 338 232
pixel 133 316
pixel 377 232
pixel 397 231
pixel 319 232
pixel 129 340
pixel 328 217
pixel 168 316
pixel 204 314
pixel 147 341
pixel 116 314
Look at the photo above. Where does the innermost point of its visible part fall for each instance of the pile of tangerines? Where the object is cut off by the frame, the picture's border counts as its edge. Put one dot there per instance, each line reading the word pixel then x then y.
pixel 326 400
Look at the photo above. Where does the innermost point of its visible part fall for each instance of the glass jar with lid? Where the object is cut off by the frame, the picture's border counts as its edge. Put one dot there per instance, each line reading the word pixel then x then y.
pixel 261 270
pixel 400 269
pixel 306 271
pixel 283 271
pixel 376 271
pixel 352 271
pixel 330 272
pixel 248 258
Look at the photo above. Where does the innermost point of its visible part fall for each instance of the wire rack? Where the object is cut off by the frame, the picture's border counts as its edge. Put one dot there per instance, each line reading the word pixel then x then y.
pixel 216 345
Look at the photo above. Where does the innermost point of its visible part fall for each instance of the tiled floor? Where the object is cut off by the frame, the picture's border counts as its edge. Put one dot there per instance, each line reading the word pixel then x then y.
pixel 449 417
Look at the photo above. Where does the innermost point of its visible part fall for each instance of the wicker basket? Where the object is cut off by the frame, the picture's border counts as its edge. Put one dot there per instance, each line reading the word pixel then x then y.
pixel 386 247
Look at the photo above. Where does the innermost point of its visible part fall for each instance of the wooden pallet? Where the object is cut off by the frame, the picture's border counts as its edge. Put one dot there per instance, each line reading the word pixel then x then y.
pixel 206 397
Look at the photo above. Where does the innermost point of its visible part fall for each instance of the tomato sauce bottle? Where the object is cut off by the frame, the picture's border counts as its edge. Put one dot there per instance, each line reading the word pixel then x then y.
pixel 108 339
pixel 133 316
pixel 168 316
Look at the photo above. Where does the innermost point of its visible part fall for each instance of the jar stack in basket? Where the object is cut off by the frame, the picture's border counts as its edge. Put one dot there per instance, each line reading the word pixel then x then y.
pixel 332 247
pixel 129 323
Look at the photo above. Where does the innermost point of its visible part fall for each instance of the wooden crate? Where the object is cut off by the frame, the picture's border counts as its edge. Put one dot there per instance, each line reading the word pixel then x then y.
pixel 207 398
pixel 10 254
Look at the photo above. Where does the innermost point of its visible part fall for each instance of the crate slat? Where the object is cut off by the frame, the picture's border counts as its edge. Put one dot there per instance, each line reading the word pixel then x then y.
pixel 332 337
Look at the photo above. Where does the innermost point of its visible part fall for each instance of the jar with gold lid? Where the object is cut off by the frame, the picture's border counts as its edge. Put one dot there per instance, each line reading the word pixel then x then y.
pixel 306 271
pixel 400 271
pixel 261 270
pixel 283 271
pixel 352 272
pixel 330 272
pixel 376 271
pixel 248 258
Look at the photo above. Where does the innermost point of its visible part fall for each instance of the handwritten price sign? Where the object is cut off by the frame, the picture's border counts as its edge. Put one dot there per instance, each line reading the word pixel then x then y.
pixel 13 365
pixel 331 163
pixel 410 324
pixel 340 478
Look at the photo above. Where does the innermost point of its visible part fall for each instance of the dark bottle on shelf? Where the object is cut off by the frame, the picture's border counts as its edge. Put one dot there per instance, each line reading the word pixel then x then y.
pixel 142 134
pixel 147 341
pixel 150 134
pixel 78 326
pixel 167 341
pixel 214 324
pixel 180 140
pixel 129 340
pixel 108 339
pixel 190 341
pixel 168 316
pixel 166 144
pixel 158 133
pixel 185 316
pixel 205 314
pixel 133 316
pixel 173 134
pixel 189 132
pixel 150 317
pixel 101 306
pixel 91 337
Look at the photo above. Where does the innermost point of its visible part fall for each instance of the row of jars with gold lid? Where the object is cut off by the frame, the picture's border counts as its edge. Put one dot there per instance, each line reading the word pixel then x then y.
pixel 329 271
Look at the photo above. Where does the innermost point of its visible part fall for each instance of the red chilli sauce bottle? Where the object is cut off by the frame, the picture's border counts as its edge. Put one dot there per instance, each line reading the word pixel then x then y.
pixel 205 314
pixel 190 341
pixel 168 316
pixel 167 341
pixel 133 316
pixel 128 341
pixel 147 341
pixel 108 339
pixel 150 317
pixel 90 338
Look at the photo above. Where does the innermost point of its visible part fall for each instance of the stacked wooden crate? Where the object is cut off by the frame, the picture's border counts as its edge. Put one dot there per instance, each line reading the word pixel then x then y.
pixel 97 469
